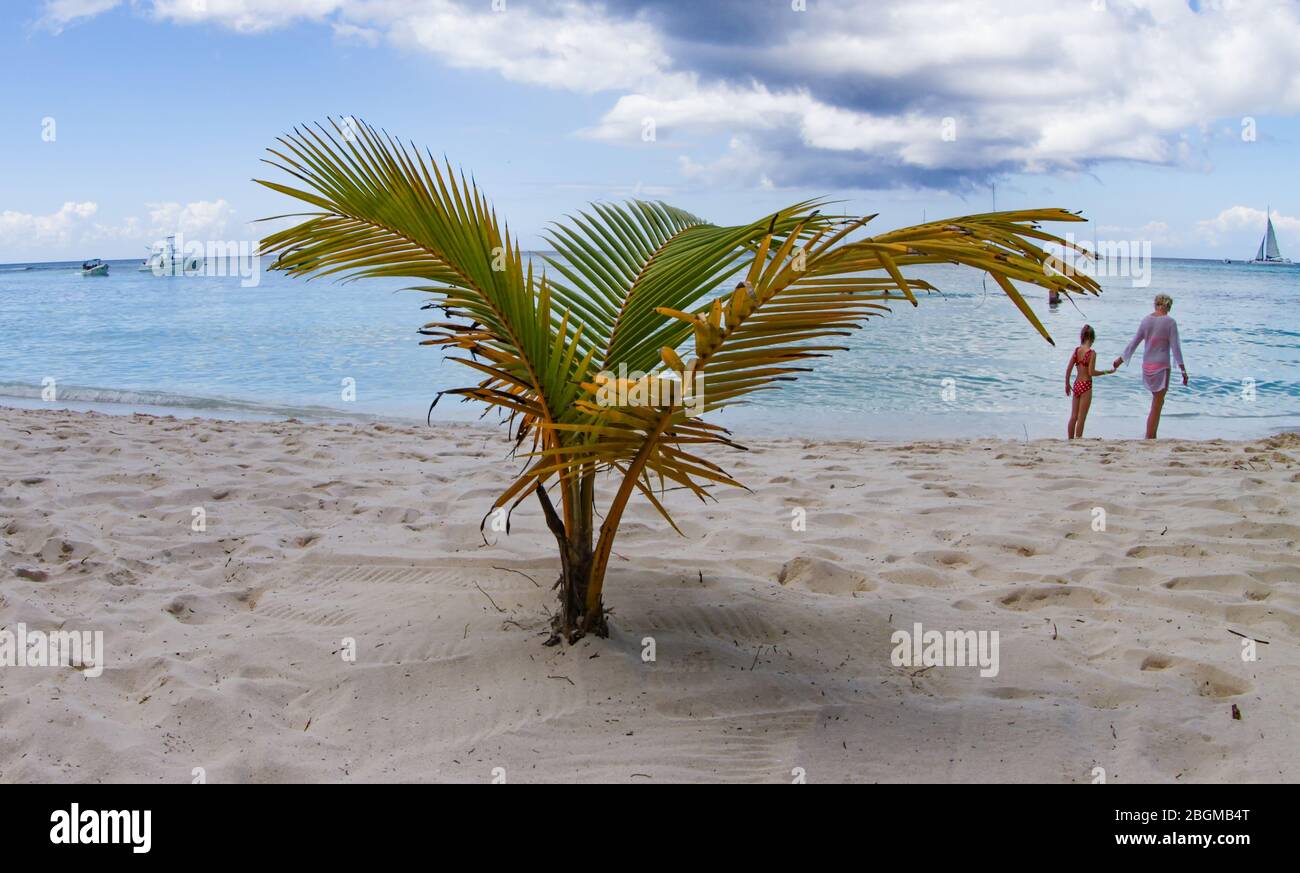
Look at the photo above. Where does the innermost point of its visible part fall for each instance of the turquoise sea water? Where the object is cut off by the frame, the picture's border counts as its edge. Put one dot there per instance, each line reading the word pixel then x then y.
pixel 205 345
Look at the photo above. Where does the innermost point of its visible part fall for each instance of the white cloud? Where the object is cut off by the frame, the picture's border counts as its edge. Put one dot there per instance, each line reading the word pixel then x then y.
pixel 741 164
pixel 45 231
pixel 201 220
pixel 680 104
pixel 245 16
pixel 73 231
pixel 1028 88
pixel 1245 220
pixel 1158 233
pixel 60 13
pixel 350 33
pixel 852 94
pixel 566 45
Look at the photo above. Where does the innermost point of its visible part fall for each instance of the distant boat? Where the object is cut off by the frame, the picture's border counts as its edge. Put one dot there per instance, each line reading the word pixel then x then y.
pixel 1268 251
pixel 165 260
pixel 94 268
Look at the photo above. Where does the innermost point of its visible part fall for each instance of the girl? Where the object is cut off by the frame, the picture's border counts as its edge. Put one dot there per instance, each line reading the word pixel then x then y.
pixel 1086 360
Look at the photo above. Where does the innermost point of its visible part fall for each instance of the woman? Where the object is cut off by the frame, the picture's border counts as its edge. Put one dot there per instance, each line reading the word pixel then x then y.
pixel 1160 333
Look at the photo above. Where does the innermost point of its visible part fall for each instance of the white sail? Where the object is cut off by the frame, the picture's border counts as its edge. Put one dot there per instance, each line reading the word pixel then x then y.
pixel 1269 253
pixel 1270 243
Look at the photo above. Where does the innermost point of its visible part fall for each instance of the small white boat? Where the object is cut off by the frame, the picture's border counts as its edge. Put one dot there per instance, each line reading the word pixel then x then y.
pixel 165 260
pixel 1268 253
pixel 94 267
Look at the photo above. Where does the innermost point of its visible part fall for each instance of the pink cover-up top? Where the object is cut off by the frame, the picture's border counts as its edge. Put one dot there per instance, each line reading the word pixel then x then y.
pixel 1160 332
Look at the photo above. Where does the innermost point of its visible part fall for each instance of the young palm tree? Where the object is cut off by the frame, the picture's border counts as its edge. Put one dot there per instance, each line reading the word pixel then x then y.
pixel 604 366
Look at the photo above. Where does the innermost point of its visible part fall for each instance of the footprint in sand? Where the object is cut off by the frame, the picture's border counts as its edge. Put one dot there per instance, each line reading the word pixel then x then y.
pixel 1213 682
pixel 822 577
pixel 1037 598
pixel 1022 546
pixel 922 577
pixel 1180 550
pixel 1253 530
pixel 942 558
pixel 1235 584
pixel 1208 681
pixel 303 541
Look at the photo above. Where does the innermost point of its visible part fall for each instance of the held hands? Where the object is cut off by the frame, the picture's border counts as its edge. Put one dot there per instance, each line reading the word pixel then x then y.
pixel 1116 363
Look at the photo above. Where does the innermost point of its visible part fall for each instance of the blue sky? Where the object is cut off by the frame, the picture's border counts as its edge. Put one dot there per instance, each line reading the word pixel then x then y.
pixel 128 119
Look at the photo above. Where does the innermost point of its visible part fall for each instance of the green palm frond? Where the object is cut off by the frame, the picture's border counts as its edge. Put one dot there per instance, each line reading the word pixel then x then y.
pixel 624 262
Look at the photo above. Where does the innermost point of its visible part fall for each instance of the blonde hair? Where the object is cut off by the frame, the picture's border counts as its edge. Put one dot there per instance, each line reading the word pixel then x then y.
pixel 1165 302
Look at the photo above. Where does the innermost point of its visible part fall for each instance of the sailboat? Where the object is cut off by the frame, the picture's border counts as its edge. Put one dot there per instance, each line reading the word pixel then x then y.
pixel 1268 251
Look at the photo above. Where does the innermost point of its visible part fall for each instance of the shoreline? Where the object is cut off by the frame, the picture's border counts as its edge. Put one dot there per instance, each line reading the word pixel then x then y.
pixel 761 423
pixel 773 645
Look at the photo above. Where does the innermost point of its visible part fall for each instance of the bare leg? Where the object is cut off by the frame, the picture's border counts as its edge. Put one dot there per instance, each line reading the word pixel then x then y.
pixel 1085 403
pixel 1153 419
pixel 1074 416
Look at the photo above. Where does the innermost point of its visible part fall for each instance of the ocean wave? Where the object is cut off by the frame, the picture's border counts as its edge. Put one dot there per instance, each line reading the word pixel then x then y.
pixel 166 400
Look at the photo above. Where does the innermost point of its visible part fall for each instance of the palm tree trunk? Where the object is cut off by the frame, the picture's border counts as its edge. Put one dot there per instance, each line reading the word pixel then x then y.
pixel 573 619
pixel 582 569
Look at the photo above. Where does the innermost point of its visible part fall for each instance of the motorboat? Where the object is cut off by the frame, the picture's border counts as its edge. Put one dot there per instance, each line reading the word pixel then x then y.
pixel 166 260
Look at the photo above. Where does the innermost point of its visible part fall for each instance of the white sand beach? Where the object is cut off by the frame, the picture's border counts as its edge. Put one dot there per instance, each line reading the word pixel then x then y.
pixel 772 646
